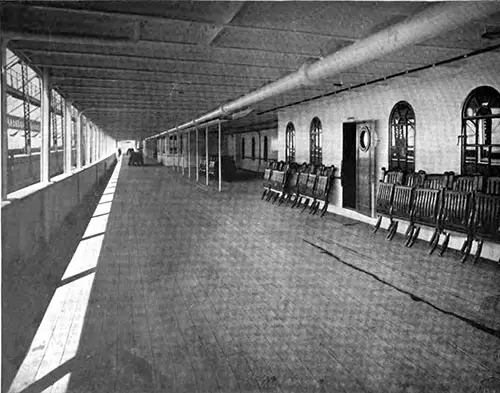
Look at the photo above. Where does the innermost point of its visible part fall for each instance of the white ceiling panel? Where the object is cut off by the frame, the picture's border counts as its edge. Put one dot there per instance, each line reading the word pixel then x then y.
pixel 148 66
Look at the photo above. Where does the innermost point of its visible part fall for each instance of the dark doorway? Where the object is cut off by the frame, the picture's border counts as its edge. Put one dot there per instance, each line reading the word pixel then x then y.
pixel 349 166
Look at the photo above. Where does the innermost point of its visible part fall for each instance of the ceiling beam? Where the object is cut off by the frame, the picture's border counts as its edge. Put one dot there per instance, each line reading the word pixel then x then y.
pixel 135 70
pixel 229 19
pixel 66 80
pixel 128 17
pixel 142 57
pixel 149 88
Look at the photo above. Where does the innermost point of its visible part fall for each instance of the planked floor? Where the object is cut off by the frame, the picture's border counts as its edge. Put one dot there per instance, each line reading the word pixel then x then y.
pixel 200 291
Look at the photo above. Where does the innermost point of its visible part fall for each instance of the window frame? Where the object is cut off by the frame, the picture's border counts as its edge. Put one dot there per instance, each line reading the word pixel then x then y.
pixel 405 161
pixel 290 142
pixel 315 142
pixel 482 155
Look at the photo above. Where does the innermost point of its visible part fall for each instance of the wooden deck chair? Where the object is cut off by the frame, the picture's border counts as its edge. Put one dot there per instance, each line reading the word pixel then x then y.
pixel 424 211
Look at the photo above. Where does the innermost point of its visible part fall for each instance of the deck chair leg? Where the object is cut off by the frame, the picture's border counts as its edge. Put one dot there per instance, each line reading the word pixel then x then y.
pixel 444 246
pixel 377 225
pixel 282 199
pixel 410 229
pixel 478 251
pixel 312 207
pixel 409 233
pixel 296 200
pixel 299 202
pixel 434 242
pixel 393 231
pixel 325 208
pixel 276 196
pixel 389 229
pixel 264 193
pixel 433 238
pixel 468 244
pixel 466 241
pixel 306 203
pixel 414 237
pixel 316 208
pixel 269 195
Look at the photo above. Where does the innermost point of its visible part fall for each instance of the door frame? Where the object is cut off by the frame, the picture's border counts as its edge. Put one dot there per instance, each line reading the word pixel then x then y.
pixel 373 142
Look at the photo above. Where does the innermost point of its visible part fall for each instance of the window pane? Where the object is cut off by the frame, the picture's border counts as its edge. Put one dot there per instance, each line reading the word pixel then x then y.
pixel 23 125
pixel 402 138
pixel 481 132
pixel 73 137
pixel 56 157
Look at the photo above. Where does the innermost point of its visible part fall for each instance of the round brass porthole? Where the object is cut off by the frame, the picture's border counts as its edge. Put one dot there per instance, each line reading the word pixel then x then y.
pixel 365 139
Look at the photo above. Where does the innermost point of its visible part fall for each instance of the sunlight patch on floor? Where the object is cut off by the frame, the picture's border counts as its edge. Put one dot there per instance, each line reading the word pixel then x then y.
pixel 57 338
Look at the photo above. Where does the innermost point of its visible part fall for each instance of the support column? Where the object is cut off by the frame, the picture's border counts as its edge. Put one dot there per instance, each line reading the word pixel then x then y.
pixel 183 152
pixel 235 152
pixel 3 117
pixel 178 150
pixel 197 169
pixel 88 141
pixel 45 120
pixel 78 141
pixel 206 155
pixel 189 153
pixel 219 158
pixel 94 143
pixel 67 138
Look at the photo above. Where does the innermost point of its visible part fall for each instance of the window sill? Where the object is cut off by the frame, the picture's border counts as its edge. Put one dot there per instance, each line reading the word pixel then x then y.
pixel 34 188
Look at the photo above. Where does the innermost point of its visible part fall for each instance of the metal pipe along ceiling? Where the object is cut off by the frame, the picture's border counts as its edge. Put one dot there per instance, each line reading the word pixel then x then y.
pixel 432 21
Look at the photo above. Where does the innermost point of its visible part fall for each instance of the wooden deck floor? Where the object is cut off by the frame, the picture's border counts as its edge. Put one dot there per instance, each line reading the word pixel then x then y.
pixel 200 291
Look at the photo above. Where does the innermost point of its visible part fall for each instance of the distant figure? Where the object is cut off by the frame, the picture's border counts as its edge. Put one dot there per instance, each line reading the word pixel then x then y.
pixel 136 159
pixel 130 151
pixel 119 152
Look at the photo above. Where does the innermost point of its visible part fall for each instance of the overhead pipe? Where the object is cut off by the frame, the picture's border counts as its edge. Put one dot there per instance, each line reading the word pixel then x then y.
pixel 432 21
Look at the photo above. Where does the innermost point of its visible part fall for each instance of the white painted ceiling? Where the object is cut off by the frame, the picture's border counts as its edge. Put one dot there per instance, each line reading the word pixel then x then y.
pixel 142 67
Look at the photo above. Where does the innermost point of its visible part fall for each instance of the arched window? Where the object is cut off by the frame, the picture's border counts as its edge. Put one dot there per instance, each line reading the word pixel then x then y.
pixel 481 132
pixel 402 138
pixel 290 143
pixel 253 148
pixel 242 147
pixel 316 154
pixel 265 148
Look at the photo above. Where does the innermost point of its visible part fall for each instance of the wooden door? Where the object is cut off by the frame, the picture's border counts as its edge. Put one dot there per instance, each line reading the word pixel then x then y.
pixel 349 162
pixel 365 167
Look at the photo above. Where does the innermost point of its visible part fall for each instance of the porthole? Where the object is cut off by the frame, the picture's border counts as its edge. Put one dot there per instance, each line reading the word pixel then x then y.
pixel 364 139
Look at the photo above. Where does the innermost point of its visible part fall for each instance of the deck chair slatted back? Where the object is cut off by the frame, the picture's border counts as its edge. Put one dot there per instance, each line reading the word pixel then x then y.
pixel 456 209
pixel 468 183
pixel 493 185
pixel 385 194
pixel 425 206
pixel 487 216
pixel 401 202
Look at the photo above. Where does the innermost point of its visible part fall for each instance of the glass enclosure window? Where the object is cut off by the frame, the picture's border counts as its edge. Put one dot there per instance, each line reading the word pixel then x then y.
pixel 290 143
pixel 56 126
pixel 253 148
pixel 315 149
pixel 84 139
pixel 73 137
pixel 265 148
pixel 242 147
pixel 173 144
pixel 402 138
pixel 23 124
pixel 481 132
